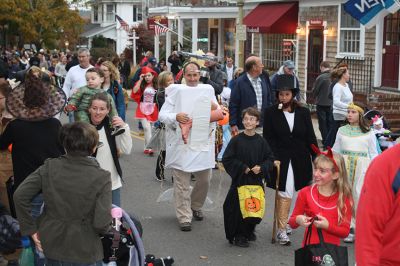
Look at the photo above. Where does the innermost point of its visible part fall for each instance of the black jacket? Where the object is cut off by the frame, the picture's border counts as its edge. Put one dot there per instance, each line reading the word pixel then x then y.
pixel 294 147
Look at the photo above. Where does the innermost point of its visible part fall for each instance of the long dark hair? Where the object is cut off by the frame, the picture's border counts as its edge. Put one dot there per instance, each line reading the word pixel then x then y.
pixel 144 84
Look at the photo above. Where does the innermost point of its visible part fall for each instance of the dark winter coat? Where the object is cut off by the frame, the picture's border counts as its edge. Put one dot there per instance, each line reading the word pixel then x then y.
pixel 294 147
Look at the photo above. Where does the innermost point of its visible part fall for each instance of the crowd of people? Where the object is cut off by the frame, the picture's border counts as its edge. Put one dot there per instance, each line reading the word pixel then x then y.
pixel 206 115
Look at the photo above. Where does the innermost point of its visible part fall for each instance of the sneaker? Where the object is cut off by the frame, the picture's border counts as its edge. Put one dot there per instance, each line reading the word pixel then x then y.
pixel 350 238
pixel 252 237
pixel 146 151
pixel 288 229
pixel 186 226
pixel 150 152
pixel 241 241
pixel 283 238
pixel 117 131
pixel 198 215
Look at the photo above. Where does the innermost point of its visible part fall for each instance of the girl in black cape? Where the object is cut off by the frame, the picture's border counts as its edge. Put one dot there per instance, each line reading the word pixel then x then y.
pixel 247 159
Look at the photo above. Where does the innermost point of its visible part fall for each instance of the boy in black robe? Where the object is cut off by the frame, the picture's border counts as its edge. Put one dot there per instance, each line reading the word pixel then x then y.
pixel 247 159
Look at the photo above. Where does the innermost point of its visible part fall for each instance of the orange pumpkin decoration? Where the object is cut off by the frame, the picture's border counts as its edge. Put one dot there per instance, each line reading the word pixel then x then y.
pixel 225 120
pixel 252 204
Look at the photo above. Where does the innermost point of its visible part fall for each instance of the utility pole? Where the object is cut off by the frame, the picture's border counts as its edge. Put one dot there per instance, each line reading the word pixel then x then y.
pixel 239 32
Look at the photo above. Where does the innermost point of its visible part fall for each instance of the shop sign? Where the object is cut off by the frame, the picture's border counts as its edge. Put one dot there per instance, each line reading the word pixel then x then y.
pixel 253 29
pixel 241 32
pixel 316 22
pixel 287 49
pixel 151 22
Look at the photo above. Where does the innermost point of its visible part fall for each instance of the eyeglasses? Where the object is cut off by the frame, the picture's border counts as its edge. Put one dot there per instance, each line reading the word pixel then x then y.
pixel 252 119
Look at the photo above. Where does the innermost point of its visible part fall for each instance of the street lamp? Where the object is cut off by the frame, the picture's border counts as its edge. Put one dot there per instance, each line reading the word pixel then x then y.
pixel 66 45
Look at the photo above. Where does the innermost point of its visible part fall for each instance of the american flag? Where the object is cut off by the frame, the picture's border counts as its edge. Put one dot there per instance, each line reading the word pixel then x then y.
pixel 158 29
pixel 124 25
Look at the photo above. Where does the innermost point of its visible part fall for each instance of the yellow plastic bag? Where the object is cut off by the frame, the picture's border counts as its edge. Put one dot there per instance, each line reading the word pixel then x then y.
pixel 252 201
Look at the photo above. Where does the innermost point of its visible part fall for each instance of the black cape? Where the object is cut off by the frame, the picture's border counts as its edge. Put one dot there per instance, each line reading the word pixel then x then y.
pixel 243 151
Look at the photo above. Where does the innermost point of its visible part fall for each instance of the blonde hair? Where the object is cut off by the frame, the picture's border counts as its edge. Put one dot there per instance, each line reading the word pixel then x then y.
pixel 162 79
pixel 114 73
pixel 341 184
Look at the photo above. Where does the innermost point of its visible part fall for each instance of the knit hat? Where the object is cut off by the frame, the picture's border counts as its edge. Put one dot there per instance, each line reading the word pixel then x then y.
pixel 32 103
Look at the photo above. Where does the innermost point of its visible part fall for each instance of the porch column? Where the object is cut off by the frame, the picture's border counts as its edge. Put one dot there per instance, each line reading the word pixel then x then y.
pixel 157 46
pixel 236 52
pixel 195 29
pixel 168 46
pixel 252 42
pixel 378 53
pixel 220 52
pixel 180 33
pixel 260 39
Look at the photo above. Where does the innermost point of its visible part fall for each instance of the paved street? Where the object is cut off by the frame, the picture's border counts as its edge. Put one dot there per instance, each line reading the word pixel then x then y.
pixel 206 243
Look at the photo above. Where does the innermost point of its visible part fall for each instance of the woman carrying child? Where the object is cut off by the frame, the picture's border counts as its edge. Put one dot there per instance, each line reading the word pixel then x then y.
pixel 111 146
pixel 144 93
pixel 80 100
pixel 327 203
pixel 289 131
pixel 247 159
pixel 358 145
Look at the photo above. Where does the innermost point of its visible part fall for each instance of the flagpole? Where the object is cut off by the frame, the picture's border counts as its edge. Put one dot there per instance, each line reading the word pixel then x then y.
pixel 187 39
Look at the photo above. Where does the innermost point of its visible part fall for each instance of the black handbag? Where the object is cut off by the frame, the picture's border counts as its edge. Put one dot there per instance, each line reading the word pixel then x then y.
pixel 10 194
pixel 320 254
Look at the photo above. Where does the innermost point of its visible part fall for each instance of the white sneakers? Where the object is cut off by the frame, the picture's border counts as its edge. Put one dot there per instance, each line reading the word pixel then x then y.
pixel 282 237
pixel 350 238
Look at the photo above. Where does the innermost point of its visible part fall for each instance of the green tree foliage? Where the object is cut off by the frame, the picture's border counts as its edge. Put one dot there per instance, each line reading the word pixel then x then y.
pixel 42 22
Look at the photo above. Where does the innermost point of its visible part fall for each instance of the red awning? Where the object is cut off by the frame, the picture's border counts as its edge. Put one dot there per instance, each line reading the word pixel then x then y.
pixel 273 18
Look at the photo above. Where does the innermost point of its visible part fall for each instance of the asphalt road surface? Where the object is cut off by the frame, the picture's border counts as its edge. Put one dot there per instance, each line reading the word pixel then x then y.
pixel 206 243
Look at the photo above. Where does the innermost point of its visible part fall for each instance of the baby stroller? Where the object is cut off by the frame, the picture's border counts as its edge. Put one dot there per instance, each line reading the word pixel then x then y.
pixel 123 245
pixel 385 137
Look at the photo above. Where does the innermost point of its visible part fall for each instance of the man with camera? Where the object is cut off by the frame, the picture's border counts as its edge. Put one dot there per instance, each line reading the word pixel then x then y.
pixel 212 75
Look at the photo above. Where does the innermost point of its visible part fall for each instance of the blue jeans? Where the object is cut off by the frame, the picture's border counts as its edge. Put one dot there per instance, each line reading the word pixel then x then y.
pixel 331 138
pixel 50 262
pixel 116 197
pixel 226 137
pixel 325 119
pixel 37 203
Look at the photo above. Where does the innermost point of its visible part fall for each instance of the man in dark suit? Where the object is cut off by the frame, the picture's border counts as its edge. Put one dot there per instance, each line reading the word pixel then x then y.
pixel 251 89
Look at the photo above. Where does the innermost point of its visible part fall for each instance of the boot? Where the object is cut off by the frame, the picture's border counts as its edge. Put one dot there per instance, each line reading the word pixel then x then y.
pixel 282 219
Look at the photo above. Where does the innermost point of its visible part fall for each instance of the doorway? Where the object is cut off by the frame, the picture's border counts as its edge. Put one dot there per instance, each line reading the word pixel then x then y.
pixel 315 57
pixel 391 46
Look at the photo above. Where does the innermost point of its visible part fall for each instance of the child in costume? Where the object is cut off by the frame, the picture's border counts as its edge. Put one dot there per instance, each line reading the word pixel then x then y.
pixel 247 159
pixel 144 93
pixel 357 143
pixel 377 128
pixel 327 203
pixel 80 100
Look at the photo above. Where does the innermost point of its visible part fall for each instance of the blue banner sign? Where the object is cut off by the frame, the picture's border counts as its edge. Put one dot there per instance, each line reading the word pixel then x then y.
pixel 368 12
